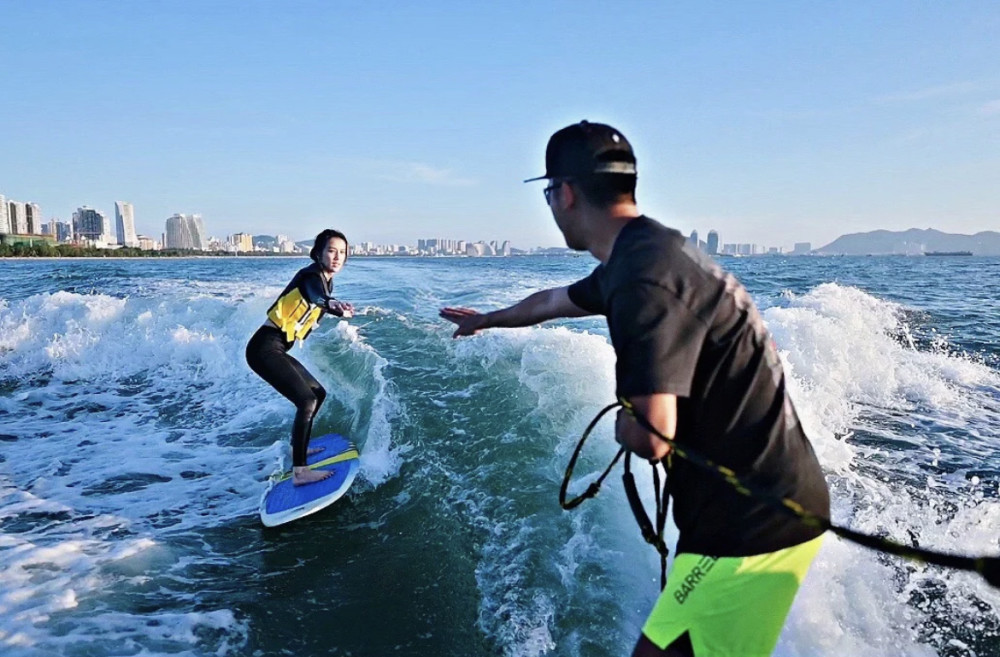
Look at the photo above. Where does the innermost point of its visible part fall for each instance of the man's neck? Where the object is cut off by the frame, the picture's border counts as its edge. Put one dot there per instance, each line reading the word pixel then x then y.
pixel 606 225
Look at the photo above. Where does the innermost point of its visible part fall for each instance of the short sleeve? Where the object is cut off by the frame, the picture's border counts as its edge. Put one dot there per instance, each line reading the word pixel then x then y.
pixel 586 293
pixel 657 340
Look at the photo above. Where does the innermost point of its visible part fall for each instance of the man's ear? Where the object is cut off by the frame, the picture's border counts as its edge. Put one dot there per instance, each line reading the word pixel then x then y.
pixel 568 196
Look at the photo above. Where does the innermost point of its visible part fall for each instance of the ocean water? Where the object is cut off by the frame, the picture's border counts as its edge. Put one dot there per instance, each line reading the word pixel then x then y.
pixel 135 444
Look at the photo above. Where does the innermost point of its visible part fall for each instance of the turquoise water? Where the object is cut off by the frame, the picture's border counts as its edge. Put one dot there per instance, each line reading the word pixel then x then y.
pixel 135 443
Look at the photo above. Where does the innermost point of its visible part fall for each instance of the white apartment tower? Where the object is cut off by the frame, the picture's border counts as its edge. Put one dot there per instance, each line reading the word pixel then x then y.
pixel 5 228
pixel 185 232
pixel 125 224
pixel 17 215
pixel 33 218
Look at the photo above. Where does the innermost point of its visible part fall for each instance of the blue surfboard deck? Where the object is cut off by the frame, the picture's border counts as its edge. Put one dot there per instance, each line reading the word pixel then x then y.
pixel 283 502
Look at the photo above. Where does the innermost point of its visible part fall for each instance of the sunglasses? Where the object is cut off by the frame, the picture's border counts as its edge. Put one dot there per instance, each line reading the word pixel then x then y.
pixel 553 185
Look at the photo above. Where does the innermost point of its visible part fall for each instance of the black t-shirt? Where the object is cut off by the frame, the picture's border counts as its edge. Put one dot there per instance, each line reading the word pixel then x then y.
pixel 681 325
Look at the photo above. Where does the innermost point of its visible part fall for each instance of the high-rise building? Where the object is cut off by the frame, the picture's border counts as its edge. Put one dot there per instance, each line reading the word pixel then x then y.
pixel 693 240
pixel 199 231
pixel 64 231
pixel 125 224
pixel 713 242
pixel 242 242
pixel 90 224
pixel 5 228
pixel 178 235
pixel 185 232
pixel 17 215
pixel 33 218
pixel 61 230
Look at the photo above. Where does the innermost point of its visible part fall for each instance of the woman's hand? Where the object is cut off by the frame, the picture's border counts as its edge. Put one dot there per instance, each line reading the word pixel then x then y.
pixel 340 308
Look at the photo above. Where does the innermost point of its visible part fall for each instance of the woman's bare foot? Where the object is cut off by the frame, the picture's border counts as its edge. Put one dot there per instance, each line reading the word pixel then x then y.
pixel 314 450
pixel 302 475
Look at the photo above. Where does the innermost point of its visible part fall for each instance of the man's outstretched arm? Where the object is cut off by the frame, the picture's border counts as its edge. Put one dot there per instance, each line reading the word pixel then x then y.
pixel 534 309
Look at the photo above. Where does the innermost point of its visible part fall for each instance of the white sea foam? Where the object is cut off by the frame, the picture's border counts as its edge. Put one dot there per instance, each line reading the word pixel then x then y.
pixel 848 359
pixel 380 458
pixel 137 425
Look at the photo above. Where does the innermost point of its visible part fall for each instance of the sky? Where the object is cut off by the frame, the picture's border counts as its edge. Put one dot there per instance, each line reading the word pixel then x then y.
pixel 770 122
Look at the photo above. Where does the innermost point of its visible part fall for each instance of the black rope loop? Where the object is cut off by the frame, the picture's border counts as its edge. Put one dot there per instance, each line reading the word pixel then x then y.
pixel 595 486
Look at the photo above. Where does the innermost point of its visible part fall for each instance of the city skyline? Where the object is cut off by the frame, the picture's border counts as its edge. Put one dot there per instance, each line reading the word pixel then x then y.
pixel 804 122
pixel 92 227
pixel 21 224
pixel 27 216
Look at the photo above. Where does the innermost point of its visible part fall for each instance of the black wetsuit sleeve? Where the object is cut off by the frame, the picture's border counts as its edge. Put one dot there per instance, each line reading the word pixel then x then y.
pixel 313 289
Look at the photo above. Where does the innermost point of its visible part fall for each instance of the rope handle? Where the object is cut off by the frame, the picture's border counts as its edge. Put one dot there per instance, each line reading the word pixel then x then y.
pixel 987 566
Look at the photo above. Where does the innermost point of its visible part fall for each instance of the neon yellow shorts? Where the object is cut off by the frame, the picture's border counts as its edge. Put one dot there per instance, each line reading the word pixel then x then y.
pixel 731 606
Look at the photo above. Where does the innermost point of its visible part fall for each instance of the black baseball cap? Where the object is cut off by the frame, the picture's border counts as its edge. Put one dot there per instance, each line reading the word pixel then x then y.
pixel 585 149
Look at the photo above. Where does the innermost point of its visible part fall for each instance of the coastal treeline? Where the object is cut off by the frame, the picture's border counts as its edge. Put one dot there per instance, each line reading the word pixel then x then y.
pixel 47 250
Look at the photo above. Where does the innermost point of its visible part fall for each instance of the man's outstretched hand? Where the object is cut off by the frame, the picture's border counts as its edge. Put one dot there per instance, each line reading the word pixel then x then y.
pixel 468 320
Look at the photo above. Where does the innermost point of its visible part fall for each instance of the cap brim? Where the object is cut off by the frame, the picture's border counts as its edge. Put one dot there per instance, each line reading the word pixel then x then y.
pixel 538 178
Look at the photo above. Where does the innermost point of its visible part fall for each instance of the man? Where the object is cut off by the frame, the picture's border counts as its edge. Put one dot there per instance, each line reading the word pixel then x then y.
pixel 694 358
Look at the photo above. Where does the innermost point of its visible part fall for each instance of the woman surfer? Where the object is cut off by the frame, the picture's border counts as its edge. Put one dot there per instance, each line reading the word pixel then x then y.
pixel 291 317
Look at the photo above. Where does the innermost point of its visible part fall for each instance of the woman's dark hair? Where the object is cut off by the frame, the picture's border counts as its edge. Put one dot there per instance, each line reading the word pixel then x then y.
pixel 321 241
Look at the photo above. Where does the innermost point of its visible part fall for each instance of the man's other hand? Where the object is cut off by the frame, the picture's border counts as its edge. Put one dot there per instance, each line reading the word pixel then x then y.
pixel 468 320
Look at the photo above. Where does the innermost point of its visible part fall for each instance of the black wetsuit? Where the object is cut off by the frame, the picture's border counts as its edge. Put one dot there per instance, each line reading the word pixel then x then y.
pixel 267 354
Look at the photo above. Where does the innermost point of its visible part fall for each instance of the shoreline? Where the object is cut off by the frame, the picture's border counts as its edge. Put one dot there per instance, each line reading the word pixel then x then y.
pixel 283 256
pixel 296 256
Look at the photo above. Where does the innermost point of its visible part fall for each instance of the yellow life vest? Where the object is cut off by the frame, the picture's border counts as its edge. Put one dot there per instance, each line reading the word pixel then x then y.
pixel 295 316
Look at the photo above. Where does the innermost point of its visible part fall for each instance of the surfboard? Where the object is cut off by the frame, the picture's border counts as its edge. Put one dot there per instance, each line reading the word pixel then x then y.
pixel 283 502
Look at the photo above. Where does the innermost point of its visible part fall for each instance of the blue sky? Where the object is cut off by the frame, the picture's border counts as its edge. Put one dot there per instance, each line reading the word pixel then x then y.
pixel 769 122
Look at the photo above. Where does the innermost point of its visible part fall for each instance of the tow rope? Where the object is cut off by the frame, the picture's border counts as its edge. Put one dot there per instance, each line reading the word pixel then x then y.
pixel 987 566
pixel 653 536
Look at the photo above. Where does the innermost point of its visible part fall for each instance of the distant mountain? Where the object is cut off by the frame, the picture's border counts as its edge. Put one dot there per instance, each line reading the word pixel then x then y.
pixel 264 242
pixel 911 242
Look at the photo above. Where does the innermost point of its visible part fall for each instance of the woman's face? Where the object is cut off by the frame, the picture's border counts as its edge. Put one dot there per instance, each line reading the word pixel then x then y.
pixel 332 258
